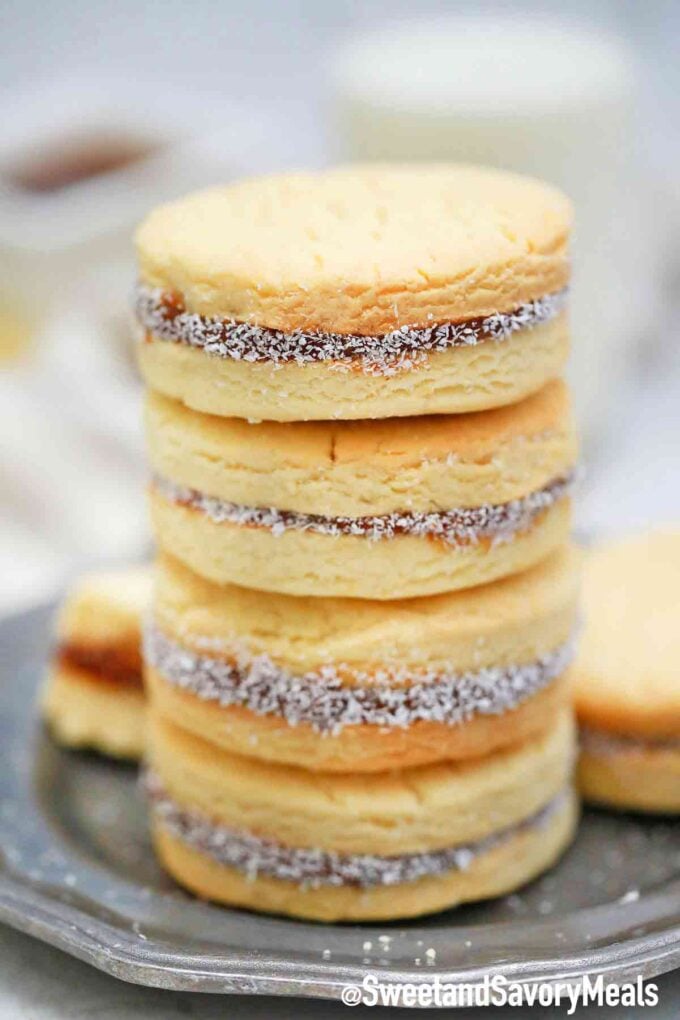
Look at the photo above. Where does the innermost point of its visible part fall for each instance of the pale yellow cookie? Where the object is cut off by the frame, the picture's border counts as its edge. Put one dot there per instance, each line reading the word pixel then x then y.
pixel 365 509
pixel 93 696
pixel 361 292
pixel 299 562
pixel 629 773
pixel 389 845
pixel 353 469
pixel 628 676
pixel 343 685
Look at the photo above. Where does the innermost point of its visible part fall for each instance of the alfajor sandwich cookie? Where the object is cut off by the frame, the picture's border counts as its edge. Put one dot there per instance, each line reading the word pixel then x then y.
pixel 361 292
pixel 94 695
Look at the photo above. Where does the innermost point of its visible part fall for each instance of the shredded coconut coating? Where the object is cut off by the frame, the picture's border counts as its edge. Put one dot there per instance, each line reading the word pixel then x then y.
pixel 463 525
pixel 164 317
pixel 388 698
pixel 312 868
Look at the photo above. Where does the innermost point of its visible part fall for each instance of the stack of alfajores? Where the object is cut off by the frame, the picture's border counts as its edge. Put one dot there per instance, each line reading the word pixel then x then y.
pixel 362 457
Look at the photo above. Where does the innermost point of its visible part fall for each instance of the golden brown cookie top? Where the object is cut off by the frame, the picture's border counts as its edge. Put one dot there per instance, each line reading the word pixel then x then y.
pixel 436 462
pixel 362 249
pixel 628 667
pixel 396 811
pixel 392 442
pixel 503 623
pixel 106 608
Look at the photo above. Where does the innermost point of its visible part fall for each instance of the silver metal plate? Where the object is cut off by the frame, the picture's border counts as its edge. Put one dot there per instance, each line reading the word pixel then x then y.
pixel 76 870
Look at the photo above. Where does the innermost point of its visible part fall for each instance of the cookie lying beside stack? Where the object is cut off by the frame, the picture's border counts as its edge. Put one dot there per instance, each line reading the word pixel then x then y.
pixel 94 696
pixel 361 627
pixel 627 678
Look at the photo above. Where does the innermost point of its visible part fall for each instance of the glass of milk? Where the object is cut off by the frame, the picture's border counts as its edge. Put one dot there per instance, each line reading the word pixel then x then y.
pixel 538 97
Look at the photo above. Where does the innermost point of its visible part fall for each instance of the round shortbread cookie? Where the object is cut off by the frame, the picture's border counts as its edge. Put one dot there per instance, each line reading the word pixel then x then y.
pixel 363 509
pixel 627 681
pixel 502 869
pixel 93 696
pixel 103 610
pixel 344 685
pixel 633 775
pixel 84 711
pixel 356 469
pixel 348 847
pixel 300 562
pixel 361 292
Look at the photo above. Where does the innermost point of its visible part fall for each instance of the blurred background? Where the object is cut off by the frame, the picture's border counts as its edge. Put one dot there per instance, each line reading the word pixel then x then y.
pixel 109 108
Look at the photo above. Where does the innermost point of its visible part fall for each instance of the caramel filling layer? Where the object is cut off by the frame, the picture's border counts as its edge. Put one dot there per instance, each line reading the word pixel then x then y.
pixel 116 665
pixel 335 695
pixel 461 526
pixel 312 868
pixel 163 316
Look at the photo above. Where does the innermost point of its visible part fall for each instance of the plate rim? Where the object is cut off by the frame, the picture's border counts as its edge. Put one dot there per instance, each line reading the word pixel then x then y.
pixel 30 908
pixel 64 926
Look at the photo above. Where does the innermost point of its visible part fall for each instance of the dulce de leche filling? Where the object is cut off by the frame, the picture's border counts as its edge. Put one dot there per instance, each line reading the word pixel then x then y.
pixel 312 868
pixel 163 316
pixel 461 526
pixel 335 695
pixel 111 664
